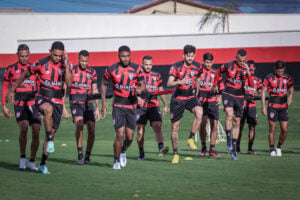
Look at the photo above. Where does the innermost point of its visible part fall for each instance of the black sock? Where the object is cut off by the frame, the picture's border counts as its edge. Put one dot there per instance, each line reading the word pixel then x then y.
pixel 203 145
pixel 117 159
pixel 141 150
pixel 192 135
pixel 49 136
pixel 31 160
pixel 279 145
pixel 211 147
pixel 44 159
pixel 234 144
pixel 87 155
pixel 23 156
pixel 228 134
pixel 272 148
pixel 160 146
pixel 250 144
pixel 175 151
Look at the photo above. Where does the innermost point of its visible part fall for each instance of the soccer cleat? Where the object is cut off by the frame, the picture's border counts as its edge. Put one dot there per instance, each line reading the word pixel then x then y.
pixel 141 156
pixel 278 152
pixel 164 152
pixel 123 159
pixel 87 162
pixel 190 142
pixel 273 153
pixel 80 161
pixel 32 166
pixel 229 144
pixel 50 147
pixel 43 169
pixel 233 155
pixel 203 152
pixel 117 166
pixel 175 159
pixel 251 152
pixel 213 153
pixel 22 164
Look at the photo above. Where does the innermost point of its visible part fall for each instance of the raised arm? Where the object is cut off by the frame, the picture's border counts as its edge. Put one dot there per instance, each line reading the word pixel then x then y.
pixel 68 73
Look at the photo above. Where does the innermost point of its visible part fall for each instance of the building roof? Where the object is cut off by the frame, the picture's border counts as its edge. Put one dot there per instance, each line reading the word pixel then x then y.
pixel 188 2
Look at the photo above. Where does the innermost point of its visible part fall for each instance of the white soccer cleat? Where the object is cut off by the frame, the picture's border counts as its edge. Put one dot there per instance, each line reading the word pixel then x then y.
pixel 116 166
pixel 123 159
pixel 32 166
pixel 278 152
pixel 22 164
pixel 273 154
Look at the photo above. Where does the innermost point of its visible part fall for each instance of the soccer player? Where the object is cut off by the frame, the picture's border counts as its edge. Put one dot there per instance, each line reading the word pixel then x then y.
pixel 210 103
pixel 249 112
pixel 183 75
pixel 237 72
pixel 84 82
pixel 127 82
pixel 149 109
pixel 53 72
pixel 24 106
pixel 280 88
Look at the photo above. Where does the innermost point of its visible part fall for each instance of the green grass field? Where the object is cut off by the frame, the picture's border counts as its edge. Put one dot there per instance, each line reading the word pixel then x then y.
pixel 251 177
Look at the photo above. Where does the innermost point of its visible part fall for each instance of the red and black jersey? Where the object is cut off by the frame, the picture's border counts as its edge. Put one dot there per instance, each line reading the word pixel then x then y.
pixel 51 77
pixel 179 71
pixel 251 92
pixel 206 82
pixel 82 83
pixel 124 81
pixel 153 81
pixel 278 89
pixel 25 92
pixel 235 79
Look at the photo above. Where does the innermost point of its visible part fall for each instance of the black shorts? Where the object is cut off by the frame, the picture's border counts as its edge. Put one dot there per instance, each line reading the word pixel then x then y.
pixel 250 115
pixel 278 114
pixel 211 109
pixel 57 110
pixel 177 107
pixel 83 110
pixel 237 103
pixel 124 117
pixel 29 113
pixel 144 114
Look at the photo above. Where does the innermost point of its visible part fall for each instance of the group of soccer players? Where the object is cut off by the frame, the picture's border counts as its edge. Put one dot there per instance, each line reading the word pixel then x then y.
pixel 40 89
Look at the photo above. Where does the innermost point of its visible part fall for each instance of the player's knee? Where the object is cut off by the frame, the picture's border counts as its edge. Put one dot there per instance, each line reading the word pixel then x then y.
pixel 79 123
pixel 48 110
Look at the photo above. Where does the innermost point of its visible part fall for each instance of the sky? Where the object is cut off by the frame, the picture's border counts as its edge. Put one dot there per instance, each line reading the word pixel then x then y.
pixel 119 6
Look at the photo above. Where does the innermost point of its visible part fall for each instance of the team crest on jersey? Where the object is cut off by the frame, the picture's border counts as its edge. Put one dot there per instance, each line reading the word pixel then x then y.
pixel 272 114
pixel 33 65
pixel 17 71
pixel 47 83
pixel 40 101
pixel 225 102
pixel 74 111
pixel 47 72
pixel 130 77
pixel 284 82
pixel 192 73
pixel 75 84
pixel 18 114
pixel 88 77
pixel 212 76
pixel 255 82
pixel 154 78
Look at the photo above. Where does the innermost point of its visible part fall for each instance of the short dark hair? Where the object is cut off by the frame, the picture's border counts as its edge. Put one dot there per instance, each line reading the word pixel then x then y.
pixel 123 48
pixel 147 57
pixel 189 49
pixel 208 56
pixel 279 64
pixel 251 62
pixel 58 45
pixel 23 47
pixel 84 53
pixel 241 52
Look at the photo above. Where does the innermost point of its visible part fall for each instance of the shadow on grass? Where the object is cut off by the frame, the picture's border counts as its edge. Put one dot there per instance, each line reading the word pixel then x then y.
pixel 14 167
pixel 73 162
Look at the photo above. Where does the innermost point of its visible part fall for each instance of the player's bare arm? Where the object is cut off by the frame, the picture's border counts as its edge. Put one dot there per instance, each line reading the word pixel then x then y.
pixel 68 75
pixel 164 100
pixel 173 82
pixel 263 101
pixel 65 112
pixel 104 107
pixel 96 91
pixel 290 95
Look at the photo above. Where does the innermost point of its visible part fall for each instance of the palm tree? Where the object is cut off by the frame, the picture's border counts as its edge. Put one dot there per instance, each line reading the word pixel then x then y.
pixel 218 16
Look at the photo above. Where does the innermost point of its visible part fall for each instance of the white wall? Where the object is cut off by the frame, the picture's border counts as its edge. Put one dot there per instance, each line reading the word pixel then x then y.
pixel 17 27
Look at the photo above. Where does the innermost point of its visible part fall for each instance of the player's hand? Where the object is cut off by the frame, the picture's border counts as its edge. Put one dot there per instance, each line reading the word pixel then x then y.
pixel 66 59
pixel 6 112
pixel 289 101
pixel 65 113
pixel 140 101
pixel 219 100
pixel 165 110
pixel 104 108
pixel 264 111
pixel 183 81
pixel 97 114
pixel 9 95
pixel 215 89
